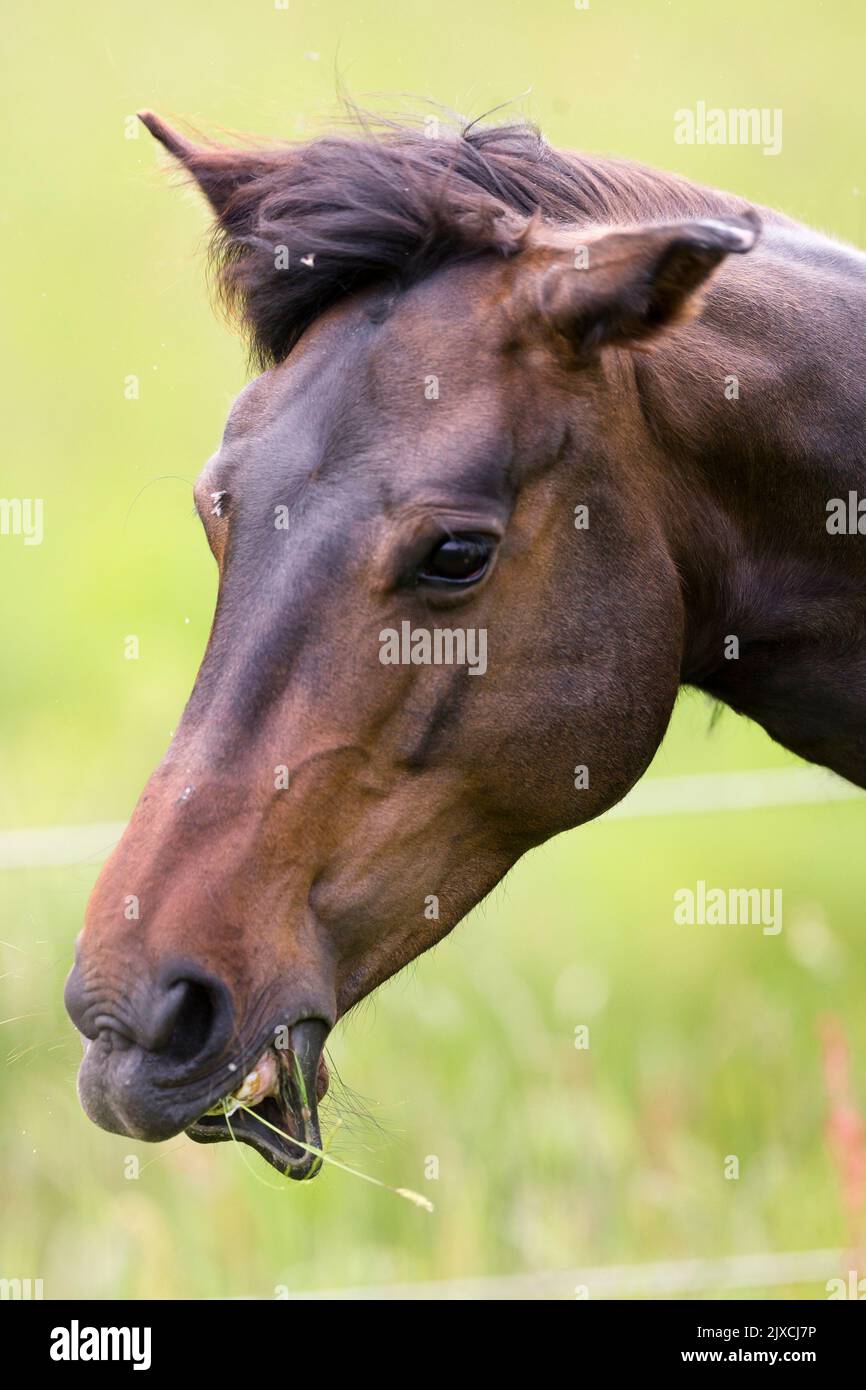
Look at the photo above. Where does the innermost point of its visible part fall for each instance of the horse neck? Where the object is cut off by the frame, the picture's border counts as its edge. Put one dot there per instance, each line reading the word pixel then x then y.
pixel 758 415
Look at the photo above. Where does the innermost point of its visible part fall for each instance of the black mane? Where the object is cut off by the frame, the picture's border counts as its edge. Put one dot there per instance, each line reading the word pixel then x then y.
pixel 391 205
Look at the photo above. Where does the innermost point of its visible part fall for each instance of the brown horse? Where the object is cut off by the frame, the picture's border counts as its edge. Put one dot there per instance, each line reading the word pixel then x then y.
pixel 534 445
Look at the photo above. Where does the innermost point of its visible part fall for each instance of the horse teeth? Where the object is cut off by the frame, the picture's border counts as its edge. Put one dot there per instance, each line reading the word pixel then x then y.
pixel 262 1081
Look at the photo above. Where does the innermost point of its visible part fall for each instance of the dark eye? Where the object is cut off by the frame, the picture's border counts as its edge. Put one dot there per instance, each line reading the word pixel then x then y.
pixel 457 560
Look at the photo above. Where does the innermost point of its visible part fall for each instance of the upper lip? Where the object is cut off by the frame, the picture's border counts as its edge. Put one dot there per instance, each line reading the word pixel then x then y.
pixel 293 1112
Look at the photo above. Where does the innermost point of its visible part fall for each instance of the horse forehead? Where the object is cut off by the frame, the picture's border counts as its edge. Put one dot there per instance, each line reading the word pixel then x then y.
pixel 364 366
pixel 310 380
pixel 457 308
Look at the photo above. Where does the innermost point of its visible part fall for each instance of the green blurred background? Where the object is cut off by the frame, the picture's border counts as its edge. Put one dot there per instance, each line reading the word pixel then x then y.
pixel 704 1043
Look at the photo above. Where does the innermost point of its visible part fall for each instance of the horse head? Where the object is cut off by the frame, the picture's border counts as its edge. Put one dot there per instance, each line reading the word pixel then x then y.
pixel 449 619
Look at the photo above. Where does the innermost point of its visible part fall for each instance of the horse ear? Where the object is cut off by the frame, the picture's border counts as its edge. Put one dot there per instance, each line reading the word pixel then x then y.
pixel 219 170
pixel 626 286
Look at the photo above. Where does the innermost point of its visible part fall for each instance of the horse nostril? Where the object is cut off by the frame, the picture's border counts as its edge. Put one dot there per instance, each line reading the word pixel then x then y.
pixel 189 1019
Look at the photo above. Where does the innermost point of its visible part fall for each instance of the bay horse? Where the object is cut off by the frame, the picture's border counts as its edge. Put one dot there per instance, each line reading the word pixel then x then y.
pixel 594 412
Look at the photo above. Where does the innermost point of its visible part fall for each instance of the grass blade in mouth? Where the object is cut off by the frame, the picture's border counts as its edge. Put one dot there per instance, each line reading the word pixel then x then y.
pixel 405 1192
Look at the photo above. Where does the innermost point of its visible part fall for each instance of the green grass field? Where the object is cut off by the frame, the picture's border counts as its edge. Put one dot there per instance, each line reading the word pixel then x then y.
pixel 705 1042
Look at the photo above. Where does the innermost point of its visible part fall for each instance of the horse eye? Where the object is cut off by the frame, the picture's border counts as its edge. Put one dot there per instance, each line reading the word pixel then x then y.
pixel 457 560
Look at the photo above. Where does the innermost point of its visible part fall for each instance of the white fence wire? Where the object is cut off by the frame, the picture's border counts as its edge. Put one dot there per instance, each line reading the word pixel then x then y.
pixel 670 1278
pixel 690 794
